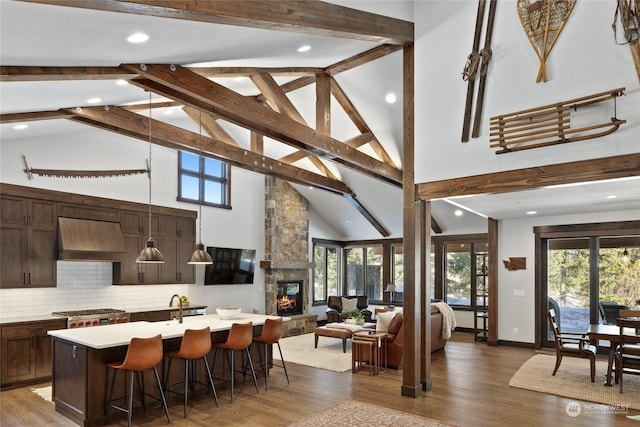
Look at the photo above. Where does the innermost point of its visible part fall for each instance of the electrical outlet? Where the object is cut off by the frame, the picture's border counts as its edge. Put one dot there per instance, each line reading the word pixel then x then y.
pixel 515 331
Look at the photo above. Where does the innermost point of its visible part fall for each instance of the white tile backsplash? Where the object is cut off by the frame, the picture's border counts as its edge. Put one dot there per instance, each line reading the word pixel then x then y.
pixel 84 285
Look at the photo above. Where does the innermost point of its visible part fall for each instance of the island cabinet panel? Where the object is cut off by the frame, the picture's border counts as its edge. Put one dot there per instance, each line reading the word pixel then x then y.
pixel 26 351
pixel 29 229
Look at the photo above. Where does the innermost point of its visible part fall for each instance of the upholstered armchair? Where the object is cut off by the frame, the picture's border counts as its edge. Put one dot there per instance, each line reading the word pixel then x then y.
pixel 338 308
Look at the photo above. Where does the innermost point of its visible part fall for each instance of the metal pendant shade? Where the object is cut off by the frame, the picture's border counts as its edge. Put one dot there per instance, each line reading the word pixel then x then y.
pixel 150 254
pixel 199 255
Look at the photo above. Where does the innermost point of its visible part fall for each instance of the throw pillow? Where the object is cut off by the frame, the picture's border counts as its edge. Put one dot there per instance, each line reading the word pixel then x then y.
pixel 349 304
pixel 383 320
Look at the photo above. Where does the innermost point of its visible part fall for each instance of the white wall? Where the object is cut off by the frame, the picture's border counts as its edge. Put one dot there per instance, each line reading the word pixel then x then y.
pixel 584 61
pixel 86 148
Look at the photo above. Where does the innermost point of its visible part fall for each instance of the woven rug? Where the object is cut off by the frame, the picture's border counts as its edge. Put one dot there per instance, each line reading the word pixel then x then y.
pixel 299 349
pixel 43 392
pixel 573 381
pixel 354 413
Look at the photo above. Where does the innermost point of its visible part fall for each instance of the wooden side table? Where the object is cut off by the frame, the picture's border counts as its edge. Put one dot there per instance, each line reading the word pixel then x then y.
pixel 372 344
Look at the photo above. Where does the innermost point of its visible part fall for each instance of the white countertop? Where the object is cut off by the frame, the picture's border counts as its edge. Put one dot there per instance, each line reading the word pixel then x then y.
pixel 100 337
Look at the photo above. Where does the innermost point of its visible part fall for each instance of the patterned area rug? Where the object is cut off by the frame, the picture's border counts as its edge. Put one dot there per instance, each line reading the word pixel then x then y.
pixel 573 381
pixel 352 412
pixel 300 349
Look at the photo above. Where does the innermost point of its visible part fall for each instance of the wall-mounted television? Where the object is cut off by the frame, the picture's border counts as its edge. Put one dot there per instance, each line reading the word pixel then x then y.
pixel 230 266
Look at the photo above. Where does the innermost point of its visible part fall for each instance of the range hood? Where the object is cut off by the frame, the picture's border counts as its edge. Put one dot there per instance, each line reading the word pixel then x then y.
pixel 86 240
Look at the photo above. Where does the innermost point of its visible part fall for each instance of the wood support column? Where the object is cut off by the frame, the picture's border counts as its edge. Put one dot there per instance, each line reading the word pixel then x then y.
pixel 411 385
pixel 425 295
pixel 492 335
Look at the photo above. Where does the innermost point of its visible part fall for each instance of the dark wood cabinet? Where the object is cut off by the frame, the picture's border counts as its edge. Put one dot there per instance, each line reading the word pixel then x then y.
pixel 28 236
pixel 173 235
pixel 26 351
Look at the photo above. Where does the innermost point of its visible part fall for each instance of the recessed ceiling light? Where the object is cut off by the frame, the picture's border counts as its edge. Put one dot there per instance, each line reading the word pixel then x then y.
pixel 138 38
pixel 167 112
pixel 457 212
pixel 347 222
pixel 532 212
pixel 390 98
pixel 613 196
pixel 122 82
pixel 20 127
pixel 305 48
pixel 239 79
pixel 94 100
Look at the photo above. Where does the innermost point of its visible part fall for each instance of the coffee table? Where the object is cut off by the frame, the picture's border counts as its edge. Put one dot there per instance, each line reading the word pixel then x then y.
pixel 342 331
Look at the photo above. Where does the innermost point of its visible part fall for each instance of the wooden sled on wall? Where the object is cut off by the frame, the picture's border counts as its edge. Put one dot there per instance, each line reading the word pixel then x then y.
pixel 549 125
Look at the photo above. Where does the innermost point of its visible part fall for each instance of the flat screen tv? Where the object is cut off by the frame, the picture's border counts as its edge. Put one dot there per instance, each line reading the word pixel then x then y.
pixel 230 266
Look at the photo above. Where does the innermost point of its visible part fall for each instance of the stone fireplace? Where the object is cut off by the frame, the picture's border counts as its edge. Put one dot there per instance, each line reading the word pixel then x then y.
pixel 287 254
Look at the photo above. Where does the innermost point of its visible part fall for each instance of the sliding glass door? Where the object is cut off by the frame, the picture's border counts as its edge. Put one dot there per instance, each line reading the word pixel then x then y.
pixel 588 279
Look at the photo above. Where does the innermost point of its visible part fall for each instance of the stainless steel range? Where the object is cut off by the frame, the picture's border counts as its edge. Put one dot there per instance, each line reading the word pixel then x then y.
pixel 93 317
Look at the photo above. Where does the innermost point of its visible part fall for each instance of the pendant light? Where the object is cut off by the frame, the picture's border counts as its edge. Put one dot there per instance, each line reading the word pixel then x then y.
pixel 150 254
pixel 199 255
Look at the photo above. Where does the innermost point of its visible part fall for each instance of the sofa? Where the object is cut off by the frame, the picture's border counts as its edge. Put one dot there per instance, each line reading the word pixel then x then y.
pixel 336 313
pixel 394 338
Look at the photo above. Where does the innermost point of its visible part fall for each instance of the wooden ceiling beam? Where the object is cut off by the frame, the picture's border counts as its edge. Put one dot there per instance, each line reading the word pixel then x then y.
pixel 528 178
pixel 210 125
pixel 308 17
pixel 31 117
pixel 187 87
pixel 44 74
pixel 361 58
pixel 135 125
pixel 368 216
pixel 357 119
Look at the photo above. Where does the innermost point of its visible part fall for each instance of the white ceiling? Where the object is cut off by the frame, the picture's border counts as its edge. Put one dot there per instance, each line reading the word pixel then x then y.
pixel 34 34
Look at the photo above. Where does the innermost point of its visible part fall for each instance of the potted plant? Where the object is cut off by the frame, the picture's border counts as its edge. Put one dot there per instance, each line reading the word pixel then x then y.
pixel 355 316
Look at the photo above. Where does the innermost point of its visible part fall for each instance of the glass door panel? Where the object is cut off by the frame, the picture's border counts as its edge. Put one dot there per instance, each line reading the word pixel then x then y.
pixel 568 286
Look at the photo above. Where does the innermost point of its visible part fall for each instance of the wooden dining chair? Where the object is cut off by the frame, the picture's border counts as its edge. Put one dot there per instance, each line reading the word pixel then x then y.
pixel 571 345
pixel 627 355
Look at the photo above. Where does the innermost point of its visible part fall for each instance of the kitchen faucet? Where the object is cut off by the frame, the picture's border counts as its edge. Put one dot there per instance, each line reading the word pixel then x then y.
pixel 180 301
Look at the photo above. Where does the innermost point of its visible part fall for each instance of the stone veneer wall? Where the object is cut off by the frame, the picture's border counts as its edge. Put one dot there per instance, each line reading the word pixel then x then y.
pixel 287 239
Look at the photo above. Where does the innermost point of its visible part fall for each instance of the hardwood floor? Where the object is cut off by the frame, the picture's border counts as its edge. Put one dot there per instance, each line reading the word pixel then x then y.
pixel 470 388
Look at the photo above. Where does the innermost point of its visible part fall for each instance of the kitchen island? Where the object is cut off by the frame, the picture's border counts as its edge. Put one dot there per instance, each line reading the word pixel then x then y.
pixel 79 378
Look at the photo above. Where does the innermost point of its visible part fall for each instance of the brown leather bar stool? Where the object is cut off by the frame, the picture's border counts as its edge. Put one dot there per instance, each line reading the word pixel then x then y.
pixel 239 339
pixel 143 354
pixel 196 344
pixel 271 334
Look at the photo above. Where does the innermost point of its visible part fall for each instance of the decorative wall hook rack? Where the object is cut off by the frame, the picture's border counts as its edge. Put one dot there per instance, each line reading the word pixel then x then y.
pixel 550 124
pixel 61 173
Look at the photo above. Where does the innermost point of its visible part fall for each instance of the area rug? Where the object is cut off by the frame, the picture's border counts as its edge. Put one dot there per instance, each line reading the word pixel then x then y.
pixel 573 381
pixel 43 392
pixel 299 349
pixel 354 413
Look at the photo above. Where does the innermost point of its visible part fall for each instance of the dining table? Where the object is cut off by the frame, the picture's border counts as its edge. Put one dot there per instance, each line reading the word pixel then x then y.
pixel 612 334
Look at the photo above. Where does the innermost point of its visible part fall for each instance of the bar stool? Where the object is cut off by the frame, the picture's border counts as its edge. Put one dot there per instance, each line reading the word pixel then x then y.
pixel 196 344
pixel 271 334
pixel 239 339
pixel 143 354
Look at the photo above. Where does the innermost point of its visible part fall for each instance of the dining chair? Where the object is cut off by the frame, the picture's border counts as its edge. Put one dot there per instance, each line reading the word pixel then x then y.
pixel 195 345
pixel 627 355
pixel 571 344
pixel 142 354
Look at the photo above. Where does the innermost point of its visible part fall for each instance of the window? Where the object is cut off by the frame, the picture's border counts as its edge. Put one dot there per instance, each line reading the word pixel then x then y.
pixel 203 180
pixel 325 271
pixel 364 272
pixel 397 273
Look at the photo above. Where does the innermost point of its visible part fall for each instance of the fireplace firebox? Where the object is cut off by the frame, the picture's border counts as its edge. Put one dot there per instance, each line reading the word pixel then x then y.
pixel 289 297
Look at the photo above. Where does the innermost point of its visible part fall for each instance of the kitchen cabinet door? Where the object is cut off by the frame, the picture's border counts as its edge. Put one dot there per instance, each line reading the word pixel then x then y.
pixel 27 236
pixel 26 351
